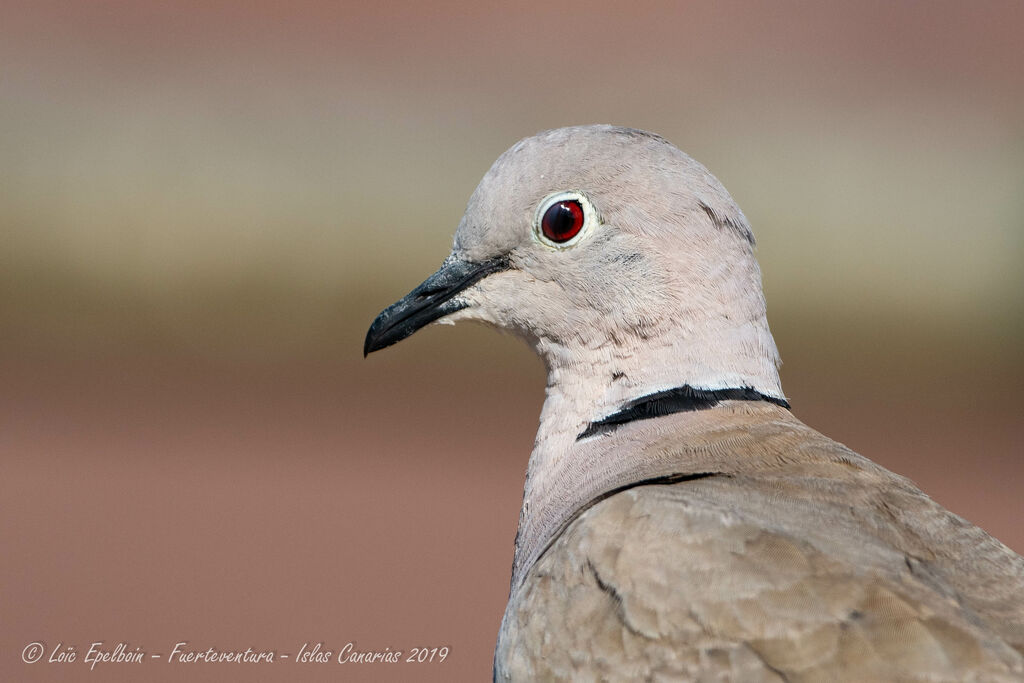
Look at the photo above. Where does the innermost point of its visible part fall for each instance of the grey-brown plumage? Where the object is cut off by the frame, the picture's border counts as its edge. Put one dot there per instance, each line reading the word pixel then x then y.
pixel 709 536
pixel 788 558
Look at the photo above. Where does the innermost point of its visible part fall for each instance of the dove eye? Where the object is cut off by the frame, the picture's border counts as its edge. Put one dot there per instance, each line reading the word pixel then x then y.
pixel 562 221
pixel 562 218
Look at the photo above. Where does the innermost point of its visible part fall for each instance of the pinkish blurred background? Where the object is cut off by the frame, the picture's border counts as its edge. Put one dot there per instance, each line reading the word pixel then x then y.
pixel 204 204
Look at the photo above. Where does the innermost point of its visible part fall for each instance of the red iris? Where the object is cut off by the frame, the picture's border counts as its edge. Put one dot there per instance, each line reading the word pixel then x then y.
pixel 562 221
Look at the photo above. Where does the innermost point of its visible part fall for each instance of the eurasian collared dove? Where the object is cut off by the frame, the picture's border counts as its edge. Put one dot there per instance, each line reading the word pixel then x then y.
pixel 678 522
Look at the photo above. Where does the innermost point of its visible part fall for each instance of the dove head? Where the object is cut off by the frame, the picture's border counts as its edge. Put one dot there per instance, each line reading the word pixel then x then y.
pixel 623 261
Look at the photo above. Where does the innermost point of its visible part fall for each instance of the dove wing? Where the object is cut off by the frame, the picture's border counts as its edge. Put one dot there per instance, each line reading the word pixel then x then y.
pixel 816 565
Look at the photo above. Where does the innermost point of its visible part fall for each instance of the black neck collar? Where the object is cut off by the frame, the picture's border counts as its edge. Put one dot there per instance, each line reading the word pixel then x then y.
pixel 679 400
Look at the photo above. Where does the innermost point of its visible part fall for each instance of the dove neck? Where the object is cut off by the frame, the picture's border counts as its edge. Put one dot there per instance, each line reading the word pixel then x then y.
pixel 591 389
pixel 588 385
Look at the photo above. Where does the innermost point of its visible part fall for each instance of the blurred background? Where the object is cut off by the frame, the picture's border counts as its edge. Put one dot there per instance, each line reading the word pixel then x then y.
pixel 203 205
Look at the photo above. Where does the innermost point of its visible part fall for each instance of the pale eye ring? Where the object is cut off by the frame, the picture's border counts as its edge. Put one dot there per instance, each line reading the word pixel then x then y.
pixel 563 219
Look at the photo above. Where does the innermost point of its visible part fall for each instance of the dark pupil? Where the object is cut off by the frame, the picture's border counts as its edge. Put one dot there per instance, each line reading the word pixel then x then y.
pixel 562 221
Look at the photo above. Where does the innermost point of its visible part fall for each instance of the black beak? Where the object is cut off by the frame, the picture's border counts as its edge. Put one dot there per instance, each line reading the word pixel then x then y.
pixel 431 300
